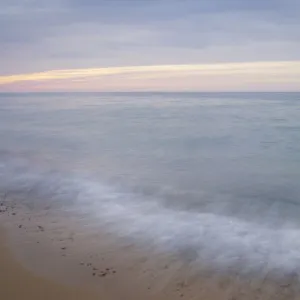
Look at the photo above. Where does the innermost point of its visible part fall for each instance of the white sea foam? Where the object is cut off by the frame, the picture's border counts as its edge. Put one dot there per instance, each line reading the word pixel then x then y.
pixel 221 241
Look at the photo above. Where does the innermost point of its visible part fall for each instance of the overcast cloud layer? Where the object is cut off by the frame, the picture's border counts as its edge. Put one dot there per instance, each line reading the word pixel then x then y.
pixel 38 35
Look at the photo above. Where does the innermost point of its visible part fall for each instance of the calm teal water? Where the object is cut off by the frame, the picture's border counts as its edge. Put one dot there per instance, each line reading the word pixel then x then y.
pixel 215 174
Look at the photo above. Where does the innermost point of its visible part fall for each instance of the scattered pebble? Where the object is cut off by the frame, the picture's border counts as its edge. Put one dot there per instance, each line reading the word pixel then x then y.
pixel 41 228
pixel 105 272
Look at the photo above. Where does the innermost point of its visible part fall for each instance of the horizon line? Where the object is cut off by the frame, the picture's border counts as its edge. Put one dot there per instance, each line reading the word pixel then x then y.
pixel 146 92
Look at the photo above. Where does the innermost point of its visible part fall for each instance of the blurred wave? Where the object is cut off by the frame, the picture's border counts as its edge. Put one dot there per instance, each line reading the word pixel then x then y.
pixel 210 238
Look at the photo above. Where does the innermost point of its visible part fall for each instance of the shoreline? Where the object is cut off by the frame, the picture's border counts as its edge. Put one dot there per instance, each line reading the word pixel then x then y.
pixel 41 251
pixel 34 265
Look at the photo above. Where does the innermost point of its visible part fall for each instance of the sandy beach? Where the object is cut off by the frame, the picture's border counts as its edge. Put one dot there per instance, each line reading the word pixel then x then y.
pixel 19 283
pixel 31 270
pixel 35 263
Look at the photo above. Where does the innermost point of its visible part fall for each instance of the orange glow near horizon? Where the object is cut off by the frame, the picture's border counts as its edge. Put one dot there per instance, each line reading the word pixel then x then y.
pixel 209 76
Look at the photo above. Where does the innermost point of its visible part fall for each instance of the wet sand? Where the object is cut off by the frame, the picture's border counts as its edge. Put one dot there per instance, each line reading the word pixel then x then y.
pixel 35 265
pixel 18 283
pixel 62 264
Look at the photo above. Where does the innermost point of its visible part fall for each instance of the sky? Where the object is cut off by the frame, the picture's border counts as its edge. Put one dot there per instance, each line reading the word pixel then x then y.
pixel 149 45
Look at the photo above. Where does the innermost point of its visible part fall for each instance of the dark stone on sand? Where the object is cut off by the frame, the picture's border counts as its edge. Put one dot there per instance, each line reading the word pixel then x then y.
pixel 95 269
pixel 20 226
pixel 41 228
pixel 94 274
pixel 63 248
pixel 13 214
